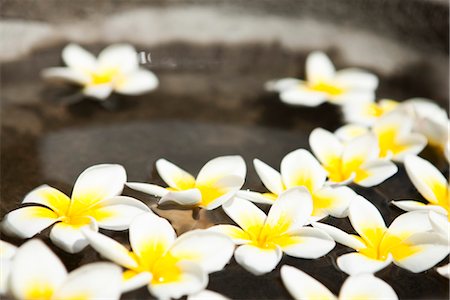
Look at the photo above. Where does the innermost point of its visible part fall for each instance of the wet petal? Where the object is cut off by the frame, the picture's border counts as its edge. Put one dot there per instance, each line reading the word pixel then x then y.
pixel 28 221
pixel 369 286
pixel 309 243
pixel 244 213
pixel 121 56
pixel 270 177
pixel 138 82
pixel 356 263
pixel 69 237
pixel 319 67
pixel 78 58
pixel 174 176
pixel 257 260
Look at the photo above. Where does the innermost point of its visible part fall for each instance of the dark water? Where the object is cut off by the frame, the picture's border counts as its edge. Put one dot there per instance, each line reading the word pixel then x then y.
pixel 210 103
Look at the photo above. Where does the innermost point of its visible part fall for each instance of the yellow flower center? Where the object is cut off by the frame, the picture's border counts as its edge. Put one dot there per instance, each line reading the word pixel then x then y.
pixel 339 171
pixel 39 290
pixel 388 141
pixel 106 75
pixel 327 87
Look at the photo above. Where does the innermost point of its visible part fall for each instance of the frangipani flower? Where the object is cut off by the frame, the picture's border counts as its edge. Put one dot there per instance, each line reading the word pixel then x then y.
pixel 441 225
pixel 7 252
pixel 94 202
pixel 116 69
pixel 171 267
pixel 37 273
pixel 367 112
pixel 323 84
pixel 444 270
pixel 262 238
pixel 301 168
pixel 363 286
pixel 430 183
pixel 408 242
pixel 216 183
pixel 356 161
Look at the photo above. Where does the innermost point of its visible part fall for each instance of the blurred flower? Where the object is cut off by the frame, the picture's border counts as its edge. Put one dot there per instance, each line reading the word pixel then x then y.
pixel 171 267
pixel 216 183
pixel 349 132
pixel 95 202
pixel 7 252
pixel 444 270
pixel 367 112
pixel 116 69
pixel 323 83
pixel 304 287
pixel 356 161
pixel 37 273
pixel 262 238
pixel 409 241
pixel 430 183
pixel 301 168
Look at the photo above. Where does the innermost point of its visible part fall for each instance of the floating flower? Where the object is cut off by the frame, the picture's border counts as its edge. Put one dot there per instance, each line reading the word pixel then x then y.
pixel 323 84
pixel 301 168
pixel 171 267
pixel 262 238
pixel 216 183
pixel 95 202
pixel 409 241
pixel 364 286
pixel 116 69
pixel 350 132
pixel 7 252
pixel 367 112
pixel 356 161
pixel 37 273
pixel 441 225
pixel 430 183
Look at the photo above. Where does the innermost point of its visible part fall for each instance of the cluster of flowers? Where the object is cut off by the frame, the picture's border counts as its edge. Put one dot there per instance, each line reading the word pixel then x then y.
pixel 306 190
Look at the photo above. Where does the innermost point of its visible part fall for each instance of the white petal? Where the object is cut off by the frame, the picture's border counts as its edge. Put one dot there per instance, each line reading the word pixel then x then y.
pixel 138 82
pixel 193 280
pixel 122 56
pixel 254 197
pixel 310 243
pixel 28 221
pixel 302 96
pixel 116 213
pixel 426 178
pixel 376 171
pixel 409 223
pixel 412 145
pixel 221 167
pixel 50 197
pixel 363 149
pixel 78 58
pixel 302 286
pixel 364 216
pixel 325 145
pixel 237 235
pixel 190 197
pixel 340 236
pixel 244 213
pixel 35 269
pixel 65 74
pixel 151 189
pixel 356 79
pixel 211 250
pixel 291 210
pixel 207 295
pixel 94 281
pixel 97 183
pixel 444 270
pixel 349 132
pixel 137 281
pixel 98 91
pixel 281 84
pixel 319 67
pixel 174 176
pixel 440 223
pixel 5 271
pixel 149 233
pixel 369 286
pixel 110 249
pixel 257 260
pixel 70 238
pixel 409 205
pixel 356 263
pixel 429 249
pixel 270 177
pixel 300 168
pixel 230 185
pixel 332 201
pixel 7 250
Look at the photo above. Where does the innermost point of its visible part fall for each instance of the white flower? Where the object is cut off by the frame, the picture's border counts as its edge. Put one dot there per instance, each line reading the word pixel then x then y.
pixel 171 267
pixel 408 242
pixel 430 183
pixel 355 161
pixel 262 238
pixel 7 252
pixel 216 183
pixel 444 270
pixel 37 273
pixel 323 83
pixel 94 202
pixel 116 69
pixel 300 168
pixel 364 286
pixel 367 112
